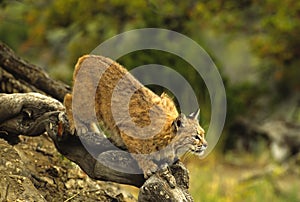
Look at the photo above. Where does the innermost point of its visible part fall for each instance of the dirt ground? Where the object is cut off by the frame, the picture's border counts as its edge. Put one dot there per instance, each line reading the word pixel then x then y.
pixel 33 170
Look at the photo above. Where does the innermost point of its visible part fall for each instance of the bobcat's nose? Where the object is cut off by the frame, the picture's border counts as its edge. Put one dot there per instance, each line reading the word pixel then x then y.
pixel 204 145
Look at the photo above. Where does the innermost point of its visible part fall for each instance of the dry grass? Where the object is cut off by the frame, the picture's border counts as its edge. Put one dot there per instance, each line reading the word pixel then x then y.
pixel 242 178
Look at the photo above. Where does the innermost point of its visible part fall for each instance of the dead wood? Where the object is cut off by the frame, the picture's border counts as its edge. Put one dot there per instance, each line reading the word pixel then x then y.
pixel 18 75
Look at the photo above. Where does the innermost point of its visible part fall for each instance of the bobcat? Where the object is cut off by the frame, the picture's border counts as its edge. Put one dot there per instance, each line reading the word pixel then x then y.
pixel 136 119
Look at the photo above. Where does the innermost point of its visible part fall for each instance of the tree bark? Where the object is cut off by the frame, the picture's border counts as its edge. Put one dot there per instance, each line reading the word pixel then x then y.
pixel 26 77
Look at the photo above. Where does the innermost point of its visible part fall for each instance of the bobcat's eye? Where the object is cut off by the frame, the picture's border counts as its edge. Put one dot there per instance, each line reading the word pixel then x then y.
pixel 197 137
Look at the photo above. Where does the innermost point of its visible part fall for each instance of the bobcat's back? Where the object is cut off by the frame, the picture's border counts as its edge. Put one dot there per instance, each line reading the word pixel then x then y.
pixel 113 88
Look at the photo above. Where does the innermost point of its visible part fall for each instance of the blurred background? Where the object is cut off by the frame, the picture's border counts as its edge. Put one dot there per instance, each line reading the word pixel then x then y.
pixel 254 44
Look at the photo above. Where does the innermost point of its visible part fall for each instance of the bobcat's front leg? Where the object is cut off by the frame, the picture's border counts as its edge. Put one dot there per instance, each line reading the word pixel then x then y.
pixel 149 167
pixel 146 163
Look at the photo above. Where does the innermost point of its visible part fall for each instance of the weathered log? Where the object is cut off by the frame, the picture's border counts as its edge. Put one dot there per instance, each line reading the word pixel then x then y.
pixel 25 114
pixel 156 188
pixel 32 76
pixel 9 84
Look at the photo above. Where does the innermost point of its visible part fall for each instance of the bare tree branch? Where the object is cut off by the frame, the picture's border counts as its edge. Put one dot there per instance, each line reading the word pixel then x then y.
pixel 30 74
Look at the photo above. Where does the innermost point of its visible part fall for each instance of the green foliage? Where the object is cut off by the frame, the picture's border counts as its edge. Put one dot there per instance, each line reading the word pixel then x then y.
pixel 273 29
pixel 11 29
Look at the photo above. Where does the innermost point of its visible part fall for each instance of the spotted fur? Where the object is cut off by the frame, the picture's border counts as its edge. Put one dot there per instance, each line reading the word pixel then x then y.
pixel 178 133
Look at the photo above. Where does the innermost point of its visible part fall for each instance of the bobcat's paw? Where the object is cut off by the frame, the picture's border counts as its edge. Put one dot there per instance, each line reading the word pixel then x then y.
pixel 167 175
pixel 150 169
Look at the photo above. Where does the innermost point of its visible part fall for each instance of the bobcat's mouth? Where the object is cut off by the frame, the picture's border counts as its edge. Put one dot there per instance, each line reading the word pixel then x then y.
pixel 199 150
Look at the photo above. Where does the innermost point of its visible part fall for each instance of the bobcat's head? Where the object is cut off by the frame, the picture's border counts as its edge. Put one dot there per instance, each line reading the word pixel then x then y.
pixel 189 136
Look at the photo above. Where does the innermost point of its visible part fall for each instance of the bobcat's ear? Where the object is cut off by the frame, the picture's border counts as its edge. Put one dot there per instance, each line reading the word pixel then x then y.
pixel 195 115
